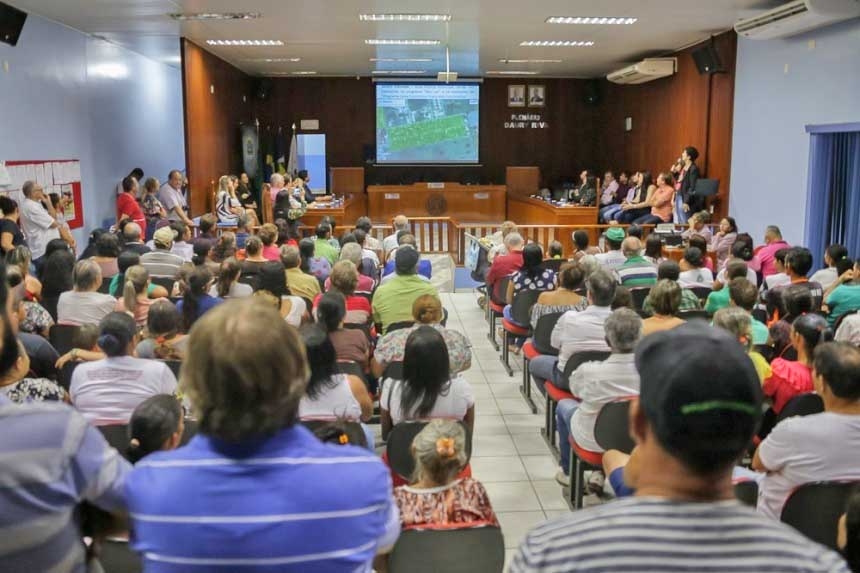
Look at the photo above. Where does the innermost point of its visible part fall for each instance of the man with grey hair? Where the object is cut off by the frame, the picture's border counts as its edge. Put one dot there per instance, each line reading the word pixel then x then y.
pixel 767 254
pixel 597 384
pixel 38 219
pixel 389 243
pixel 131 236
pixel 636 270
pixel 301 284
pixel 352 252
pixel 277 183
pixel 507 264
pixel 84 304
pixel 171 197
pixel 578 330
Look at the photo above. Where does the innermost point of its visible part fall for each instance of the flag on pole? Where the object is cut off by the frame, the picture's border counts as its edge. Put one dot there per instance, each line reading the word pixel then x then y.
pixel 293 163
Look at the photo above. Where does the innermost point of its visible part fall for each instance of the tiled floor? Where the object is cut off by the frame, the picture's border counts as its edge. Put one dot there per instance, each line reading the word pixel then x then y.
pixel 509 456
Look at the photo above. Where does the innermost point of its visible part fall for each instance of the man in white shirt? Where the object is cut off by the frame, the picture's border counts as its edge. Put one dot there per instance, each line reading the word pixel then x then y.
pixel 84 304
pixel 820 447
pixel 389 243
pixel 578 331
pixel 161 261
pixel 371 243
pixel 38 220
pixel 613 257
pixel 171 197
pixel 137 173
pixel 597 384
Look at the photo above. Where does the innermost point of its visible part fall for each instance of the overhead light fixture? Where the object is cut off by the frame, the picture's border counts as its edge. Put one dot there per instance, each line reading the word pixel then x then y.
pixel 182 17
pixel 557 43
pixel 401 60
pixel 304 73
pixel 398 72
pixel 592 20
pixel 507 61
pixel 245 42
pixel 512 73
pixel 109 70
pixel 404 17
pixel 274 60
pixel 392 42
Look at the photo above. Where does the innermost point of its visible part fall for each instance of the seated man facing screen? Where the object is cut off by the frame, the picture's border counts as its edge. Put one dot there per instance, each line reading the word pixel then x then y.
pixel 425 268
pixel 392 301
pixel 689 430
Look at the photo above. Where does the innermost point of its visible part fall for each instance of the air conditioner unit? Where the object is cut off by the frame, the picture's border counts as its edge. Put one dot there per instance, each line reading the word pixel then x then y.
pixel 796 17
pixel 645 71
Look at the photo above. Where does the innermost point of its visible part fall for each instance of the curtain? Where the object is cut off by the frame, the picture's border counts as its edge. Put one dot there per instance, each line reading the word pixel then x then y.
pixel 833 192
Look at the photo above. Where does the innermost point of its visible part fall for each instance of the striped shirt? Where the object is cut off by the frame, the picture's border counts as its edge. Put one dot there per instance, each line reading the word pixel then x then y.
pixel 637 271
pixel 52 460
pixel 282 503
pixel 656 535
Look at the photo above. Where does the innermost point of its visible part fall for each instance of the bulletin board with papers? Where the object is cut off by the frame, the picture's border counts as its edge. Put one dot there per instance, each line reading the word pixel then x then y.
pixel 61 176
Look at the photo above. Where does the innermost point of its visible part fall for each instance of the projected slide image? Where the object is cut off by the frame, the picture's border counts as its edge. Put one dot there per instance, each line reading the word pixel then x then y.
pixel 427 123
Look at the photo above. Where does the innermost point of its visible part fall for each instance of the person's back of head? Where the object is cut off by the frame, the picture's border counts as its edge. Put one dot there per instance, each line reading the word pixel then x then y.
pixel 623 298
pixel 348 238
pixel 796 301
pixel 808 331
pixel 772 233
pixel 668 270
pixel 207 223
pixel 252 386
pixel 198 285
pixel 87 276
pixel 736 269
pixel 180 230
pixel 698 241
pixel 836 368
pixel 155 425
pixel 351 252
pixel 135 281
pixel 406 238
pixel 360 236
pixel 253 246
pixel 742 250
pixel 426 371
pixel 331 310
pixel 163 319
pixel 307 248
pixel 150 185
pixel 631 247
pixel 290 257
pixel 580 239
pixel 703 422
pixel 401 223
pixel 654 246
pixel 623 329
pixel 634 230
pixel 798 261
pixel 271 278
pixel 20 257
pixel 268 233
pixel 844 265
pixel 513 241
pixel 835 253
pixel 555 250
pixel 440 452
pixel 131 233
pixel 117 334
pixel 694 257
pixel 427 309
pixel 743 293
pixel 86 336
pixel 589 265
pixel 571 276
pixel 737 322
pixel 322 358
pixel 107 246
pixel 364 224
pixel 129 183
pixel 163 238
pixel 532 259
pixel 57 273
pixel 344 277
pixel 323 231
pixel 406 261
pixel 665 298
pixel 225 247
pixel 601 288
pixel 228 274
pixel 202 251
pixel 137 173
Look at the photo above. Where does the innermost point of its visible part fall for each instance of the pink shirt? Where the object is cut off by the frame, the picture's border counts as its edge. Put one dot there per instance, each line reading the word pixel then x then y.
pixel 766 255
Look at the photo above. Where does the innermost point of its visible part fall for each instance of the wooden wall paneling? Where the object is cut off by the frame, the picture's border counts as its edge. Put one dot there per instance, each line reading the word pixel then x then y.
pixel 719 157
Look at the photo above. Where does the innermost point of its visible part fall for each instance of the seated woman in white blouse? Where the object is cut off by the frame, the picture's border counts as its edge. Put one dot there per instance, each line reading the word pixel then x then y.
pixel 693 270
pixel 427 390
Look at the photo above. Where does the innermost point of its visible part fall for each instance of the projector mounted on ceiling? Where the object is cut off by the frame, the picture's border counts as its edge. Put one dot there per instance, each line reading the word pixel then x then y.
pixel 796 17
pixel 447 76
pixel 645 71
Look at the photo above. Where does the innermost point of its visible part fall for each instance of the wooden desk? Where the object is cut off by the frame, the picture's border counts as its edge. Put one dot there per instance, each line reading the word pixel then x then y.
pixel 677 253
pixel 530 211
pixel 472 203
pixel 353 207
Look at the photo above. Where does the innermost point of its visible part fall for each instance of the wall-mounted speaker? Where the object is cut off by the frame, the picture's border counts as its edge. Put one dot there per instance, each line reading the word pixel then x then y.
pixel 262 88
pixel 592 93
pixel 708 59
pixel 11 23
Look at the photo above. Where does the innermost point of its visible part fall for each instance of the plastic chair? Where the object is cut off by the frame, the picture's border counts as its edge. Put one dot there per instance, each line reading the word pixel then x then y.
pixel 399 325
pixel 49 303
pixel 117 436
pixel 693 315
pixel 399 447
pixel 701 292
pixel 496 306
pixel 61 336
pixel 553 265
pixel 393 370
pixel 538 345
pixel 116 556
pixel 747 492
pixel 638 295
pixel 104 288
pixel 352 369
pixel 66 374
pixel 462 550
pixel 814 509
pixel 801 405
pixel 191 427
pixel 166 282
pixel 521 308
pixel 175 366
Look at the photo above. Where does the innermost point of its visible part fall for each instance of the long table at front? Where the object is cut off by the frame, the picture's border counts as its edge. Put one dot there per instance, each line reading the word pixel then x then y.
pixel 473 203
pixel 530 211
pixel 345 214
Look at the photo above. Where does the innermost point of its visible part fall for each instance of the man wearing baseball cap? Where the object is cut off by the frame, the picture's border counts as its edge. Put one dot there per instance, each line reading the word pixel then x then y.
pixel 613 257
pixel 162 262
pixel 699 406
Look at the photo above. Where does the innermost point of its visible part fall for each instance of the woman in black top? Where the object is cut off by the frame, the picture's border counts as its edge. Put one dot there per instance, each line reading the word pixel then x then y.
pixel 689 177
pixel 10 233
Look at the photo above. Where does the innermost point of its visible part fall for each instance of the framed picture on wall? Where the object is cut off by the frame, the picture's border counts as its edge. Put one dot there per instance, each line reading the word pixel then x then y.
pixel 537 96
pixel 517 96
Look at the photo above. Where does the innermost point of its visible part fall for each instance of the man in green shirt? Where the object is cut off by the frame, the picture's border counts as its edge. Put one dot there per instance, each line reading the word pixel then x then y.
pixel 392 301
pixel 323 246
pixel 844 295
pixel 636 271
pixel 735 268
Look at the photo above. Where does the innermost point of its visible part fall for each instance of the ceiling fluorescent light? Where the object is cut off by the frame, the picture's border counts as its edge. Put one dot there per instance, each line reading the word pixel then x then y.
pixel 401 60
pixel 404 17
pixel 398 72
pixel 304 73
pixel 512 73
pixel 507 61
pixel 391 42
pixel 215 16
pixel 245 43
pixel 274 60
pixel 556 43
pixel 600 20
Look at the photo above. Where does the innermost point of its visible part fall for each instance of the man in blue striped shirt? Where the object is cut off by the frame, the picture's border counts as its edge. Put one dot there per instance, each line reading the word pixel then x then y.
pixel 699 404
pixel 254 491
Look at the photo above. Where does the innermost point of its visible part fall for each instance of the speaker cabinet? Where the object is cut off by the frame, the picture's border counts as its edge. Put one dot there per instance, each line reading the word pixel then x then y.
pixel 11 23
pixel 707 59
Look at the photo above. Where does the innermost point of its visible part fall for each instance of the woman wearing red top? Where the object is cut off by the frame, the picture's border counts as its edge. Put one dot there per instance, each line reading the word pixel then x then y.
pixel 789 378
pixel 127 206
pixel 661 202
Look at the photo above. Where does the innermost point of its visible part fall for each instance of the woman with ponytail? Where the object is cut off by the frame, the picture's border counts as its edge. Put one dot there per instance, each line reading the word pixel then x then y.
pixel 436 497
pixel 156 425
pixel 228 285
pixel 135 298
pixel 789 378
pixel 197 301
pixel 107 391
pixel 351 345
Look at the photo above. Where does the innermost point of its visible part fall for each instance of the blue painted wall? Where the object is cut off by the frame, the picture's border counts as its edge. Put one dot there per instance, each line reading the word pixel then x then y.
pixel 69 96
pixel 770 147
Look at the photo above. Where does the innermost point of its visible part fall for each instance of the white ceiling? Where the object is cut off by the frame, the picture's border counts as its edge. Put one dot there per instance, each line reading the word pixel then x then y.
pixel 329 38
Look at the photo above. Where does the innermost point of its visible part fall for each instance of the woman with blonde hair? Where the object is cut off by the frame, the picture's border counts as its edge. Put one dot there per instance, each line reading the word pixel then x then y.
pixel 426 310
pixel 135 299
pixel 665 299
pixel 227 205
pixel 437 497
